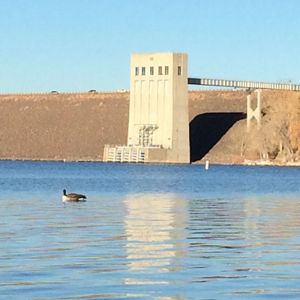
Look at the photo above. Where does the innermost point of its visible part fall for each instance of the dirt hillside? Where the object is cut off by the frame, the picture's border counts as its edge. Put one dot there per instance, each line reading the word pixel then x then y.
pixel 277 141
pixel 61 126
pixel 77 126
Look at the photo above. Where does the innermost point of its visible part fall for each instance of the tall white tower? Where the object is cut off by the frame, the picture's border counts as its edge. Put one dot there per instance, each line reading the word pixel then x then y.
pixel 158 116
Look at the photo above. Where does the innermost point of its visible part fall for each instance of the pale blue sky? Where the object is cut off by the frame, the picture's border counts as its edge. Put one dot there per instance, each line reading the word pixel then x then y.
pixel 78 45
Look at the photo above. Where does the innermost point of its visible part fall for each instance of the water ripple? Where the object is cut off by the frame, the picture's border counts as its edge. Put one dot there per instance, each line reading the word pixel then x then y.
pixel 138 243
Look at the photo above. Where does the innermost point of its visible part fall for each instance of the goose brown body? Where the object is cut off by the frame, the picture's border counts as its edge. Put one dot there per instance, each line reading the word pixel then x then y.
pixel 72 197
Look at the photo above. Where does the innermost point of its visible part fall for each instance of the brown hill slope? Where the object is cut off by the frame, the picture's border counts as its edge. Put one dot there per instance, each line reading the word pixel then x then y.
pixel 278 139
pixel 77 126
pixel 61 126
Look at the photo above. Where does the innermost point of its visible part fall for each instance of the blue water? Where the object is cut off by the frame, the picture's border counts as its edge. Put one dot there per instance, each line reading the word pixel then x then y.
pixel 149 232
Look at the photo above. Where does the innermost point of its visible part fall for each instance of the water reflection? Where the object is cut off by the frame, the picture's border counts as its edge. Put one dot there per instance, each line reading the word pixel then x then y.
pixel 197 235
pixel 252 240
pixel 271 220
pixel 257 220
pixel 155 226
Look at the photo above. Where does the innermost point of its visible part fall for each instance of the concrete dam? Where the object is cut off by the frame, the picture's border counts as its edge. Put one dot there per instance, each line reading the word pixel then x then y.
pixel 159 121
pixel 159 130
pixel 77 126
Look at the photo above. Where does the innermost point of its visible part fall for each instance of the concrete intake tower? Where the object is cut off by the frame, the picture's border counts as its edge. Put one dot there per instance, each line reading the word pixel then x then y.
pixel 158 129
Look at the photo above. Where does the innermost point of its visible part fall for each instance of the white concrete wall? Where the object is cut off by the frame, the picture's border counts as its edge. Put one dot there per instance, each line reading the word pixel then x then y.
pixel 158 97
pixel 180 140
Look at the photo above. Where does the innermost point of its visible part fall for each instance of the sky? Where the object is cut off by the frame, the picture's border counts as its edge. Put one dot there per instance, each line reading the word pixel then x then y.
pixel 79 45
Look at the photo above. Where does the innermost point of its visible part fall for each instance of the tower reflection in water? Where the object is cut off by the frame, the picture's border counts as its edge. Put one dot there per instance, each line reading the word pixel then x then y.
pixel 155 226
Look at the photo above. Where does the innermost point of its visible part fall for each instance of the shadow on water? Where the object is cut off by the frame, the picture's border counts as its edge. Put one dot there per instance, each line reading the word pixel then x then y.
pixel 207 129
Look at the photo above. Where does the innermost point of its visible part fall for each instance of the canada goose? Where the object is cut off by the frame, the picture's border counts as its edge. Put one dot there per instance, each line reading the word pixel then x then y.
pixel 72 197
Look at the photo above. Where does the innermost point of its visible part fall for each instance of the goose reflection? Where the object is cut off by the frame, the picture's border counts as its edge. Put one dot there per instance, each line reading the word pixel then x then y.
pixel 155 228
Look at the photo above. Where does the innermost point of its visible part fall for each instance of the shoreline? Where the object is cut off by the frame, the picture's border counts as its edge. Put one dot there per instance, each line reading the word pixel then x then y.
pixel 257 163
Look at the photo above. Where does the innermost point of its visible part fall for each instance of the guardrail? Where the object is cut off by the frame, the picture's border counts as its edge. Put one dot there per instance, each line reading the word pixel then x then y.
pixel 62 93
pixel 243 84
pixel 124 154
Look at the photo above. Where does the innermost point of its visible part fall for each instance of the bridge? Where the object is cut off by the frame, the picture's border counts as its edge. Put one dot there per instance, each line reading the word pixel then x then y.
pixel 243 84
pixel 158 127
pixel 251 86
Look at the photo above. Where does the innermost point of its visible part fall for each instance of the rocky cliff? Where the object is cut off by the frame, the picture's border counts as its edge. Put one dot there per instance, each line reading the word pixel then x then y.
pixel 277 141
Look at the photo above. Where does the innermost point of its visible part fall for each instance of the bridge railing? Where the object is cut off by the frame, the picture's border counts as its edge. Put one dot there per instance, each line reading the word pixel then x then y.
pixel 243 84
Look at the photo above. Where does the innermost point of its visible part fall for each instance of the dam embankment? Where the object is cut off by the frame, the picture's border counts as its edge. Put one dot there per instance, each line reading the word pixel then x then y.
pixel 61 126
pixel 76 126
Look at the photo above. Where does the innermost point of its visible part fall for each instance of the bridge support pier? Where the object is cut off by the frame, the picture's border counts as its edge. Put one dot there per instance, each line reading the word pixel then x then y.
pixel 254 113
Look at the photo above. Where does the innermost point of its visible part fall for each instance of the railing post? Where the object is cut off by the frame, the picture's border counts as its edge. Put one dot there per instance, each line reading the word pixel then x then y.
pixel 254 113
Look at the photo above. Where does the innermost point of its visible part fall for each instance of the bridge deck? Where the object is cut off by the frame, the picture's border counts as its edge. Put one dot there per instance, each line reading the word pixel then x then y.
pixel 243 84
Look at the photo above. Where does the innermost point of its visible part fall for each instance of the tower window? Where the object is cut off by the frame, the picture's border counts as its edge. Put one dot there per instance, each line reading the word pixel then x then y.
pixel 151 70
pixel 136 71
pixel 179 70
pixel 160 70
pixel 143 71
pixel 166 70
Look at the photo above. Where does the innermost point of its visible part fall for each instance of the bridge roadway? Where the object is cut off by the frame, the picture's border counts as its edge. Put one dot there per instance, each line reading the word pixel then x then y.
pixel 243 84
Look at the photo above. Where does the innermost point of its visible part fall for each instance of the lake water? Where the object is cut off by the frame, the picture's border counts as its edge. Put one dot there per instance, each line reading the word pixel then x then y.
pixel 149 232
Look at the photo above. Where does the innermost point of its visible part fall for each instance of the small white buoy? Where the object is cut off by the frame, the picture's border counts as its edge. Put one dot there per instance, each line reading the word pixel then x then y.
pixel 206 165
